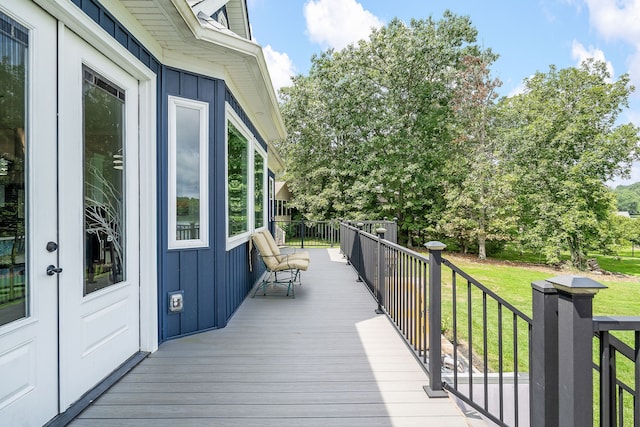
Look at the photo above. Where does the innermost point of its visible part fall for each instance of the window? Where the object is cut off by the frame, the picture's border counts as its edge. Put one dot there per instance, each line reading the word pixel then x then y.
pixel 259 175
pixel 188 173
pixel 246 182
pixel 237 181
pixel 272 202
pixel 104 182
pixel 14 228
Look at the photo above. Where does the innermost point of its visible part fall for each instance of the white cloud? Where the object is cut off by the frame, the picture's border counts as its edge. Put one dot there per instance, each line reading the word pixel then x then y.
pixel 618 20
pixel 518 90
pixel 337 23
pixel 280 66
pixel 581 53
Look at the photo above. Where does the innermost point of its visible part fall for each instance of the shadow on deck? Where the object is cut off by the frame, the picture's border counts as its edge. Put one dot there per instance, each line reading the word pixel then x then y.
pixel 322 359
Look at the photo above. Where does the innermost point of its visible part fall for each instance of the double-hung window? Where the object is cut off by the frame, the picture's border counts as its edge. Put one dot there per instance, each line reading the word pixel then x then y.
pixel 246 168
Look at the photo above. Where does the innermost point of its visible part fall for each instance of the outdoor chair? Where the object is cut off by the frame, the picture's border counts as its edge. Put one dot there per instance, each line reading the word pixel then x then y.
pixel 281 270
pixel 275 249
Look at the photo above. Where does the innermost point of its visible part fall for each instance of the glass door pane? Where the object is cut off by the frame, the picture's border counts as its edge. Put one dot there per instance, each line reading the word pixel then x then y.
pixel 13 124
pixel 104 182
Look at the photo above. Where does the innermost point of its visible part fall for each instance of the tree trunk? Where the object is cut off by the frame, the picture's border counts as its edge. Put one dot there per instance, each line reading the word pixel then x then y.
pixel 482 236
pixel 482 248
pixel 578 258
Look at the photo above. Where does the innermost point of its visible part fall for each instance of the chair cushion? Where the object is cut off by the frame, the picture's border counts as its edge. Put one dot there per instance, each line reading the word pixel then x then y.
pixel 270 260
pixel 288 264
pixel 276 250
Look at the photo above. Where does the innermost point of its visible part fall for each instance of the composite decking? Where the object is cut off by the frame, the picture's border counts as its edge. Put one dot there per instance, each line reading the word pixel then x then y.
pixel 322 359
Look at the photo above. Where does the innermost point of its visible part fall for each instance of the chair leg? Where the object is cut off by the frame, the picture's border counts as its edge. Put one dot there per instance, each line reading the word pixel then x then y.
pixel 291 287
pixel 271 278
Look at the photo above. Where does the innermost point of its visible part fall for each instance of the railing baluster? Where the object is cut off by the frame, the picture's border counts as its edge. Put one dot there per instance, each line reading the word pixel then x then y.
pixel 500 367
pixel 485 359
pixel 636 388
pixel 620 406
pixel 423 315
pixel 470 339
pixel 607 384
pixel 515 368
pixel 454 320
pixel 416 306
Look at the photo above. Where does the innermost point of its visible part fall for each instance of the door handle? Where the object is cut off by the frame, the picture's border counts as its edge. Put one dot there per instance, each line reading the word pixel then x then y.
pixel 52 269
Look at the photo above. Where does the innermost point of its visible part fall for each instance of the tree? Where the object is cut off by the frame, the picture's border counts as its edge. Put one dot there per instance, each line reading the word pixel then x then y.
pixel 619 232
pixel 561 139
pixel 478 191
pixel 628 197
pixel 370 125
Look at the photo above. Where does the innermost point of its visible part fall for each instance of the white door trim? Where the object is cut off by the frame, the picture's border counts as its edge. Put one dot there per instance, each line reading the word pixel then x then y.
pixel 92 33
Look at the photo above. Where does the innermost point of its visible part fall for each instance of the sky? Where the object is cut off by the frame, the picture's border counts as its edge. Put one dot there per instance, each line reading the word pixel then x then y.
pixel 529 35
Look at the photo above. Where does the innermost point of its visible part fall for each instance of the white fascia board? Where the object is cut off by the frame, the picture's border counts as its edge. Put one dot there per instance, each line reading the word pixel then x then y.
pixel 251 51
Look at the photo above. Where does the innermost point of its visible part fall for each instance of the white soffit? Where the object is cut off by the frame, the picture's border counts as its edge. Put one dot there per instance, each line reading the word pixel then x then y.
pixel 175 27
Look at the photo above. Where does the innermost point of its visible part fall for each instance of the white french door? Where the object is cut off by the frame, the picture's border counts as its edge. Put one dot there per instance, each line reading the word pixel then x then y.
pixel 69 216
pixel 28 216
pixel 98 223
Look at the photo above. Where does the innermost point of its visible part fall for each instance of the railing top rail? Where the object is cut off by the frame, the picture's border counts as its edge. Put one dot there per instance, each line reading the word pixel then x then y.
pixel 622 347
pixel 392 245
pixel 616 323
pixel 487 291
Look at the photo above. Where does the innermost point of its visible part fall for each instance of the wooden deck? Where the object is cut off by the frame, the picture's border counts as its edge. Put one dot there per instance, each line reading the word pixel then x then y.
pixel 322 359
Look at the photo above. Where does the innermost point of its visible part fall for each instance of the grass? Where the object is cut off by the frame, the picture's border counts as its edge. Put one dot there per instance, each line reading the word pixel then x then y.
pixel 619 264
pixel 510 277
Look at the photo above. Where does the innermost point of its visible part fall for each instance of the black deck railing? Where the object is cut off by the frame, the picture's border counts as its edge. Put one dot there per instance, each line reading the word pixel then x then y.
pixel 512 368
pixel 307 234
pixel 187 231
pixel 400 279
pixel 619 397
pixel 485 325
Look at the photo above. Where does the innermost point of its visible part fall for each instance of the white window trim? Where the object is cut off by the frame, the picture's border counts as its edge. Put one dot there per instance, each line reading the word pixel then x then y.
pixel 252 146
pixel 272 199
pixel 203 109
pixel 257 148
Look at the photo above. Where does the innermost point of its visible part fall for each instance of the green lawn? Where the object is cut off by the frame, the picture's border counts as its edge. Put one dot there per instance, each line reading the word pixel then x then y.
pixel 512 282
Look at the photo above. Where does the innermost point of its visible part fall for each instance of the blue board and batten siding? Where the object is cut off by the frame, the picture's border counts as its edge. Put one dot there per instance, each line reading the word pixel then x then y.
pixel 213 280
pixel 192 271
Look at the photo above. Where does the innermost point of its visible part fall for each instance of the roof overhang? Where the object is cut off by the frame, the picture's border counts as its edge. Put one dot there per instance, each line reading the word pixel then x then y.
pixel 174 26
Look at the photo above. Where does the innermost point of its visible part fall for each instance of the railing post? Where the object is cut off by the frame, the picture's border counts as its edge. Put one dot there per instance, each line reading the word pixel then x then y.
pixel 381 266
pixel 434 389
pixel 302 230
pixel 359 259
pixel 543 410
pixel 575 346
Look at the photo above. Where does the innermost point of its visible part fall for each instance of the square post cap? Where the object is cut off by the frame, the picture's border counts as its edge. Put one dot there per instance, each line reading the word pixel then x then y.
pixel 435 246
pixel 576 285
pixel 544 286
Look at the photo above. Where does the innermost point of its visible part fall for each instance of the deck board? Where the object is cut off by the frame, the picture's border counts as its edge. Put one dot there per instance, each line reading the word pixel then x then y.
pixel 323 358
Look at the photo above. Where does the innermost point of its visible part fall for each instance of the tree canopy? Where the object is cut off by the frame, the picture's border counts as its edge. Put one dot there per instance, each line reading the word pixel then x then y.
pixel 628 198
pixel 408 124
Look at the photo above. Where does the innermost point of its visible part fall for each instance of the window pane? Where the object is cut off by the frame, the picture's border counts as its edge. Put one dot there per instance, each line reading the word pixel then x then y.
pixel 238 167
pixel 258 189
pixel 187 173
pixel 104 219
pixel 13 228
